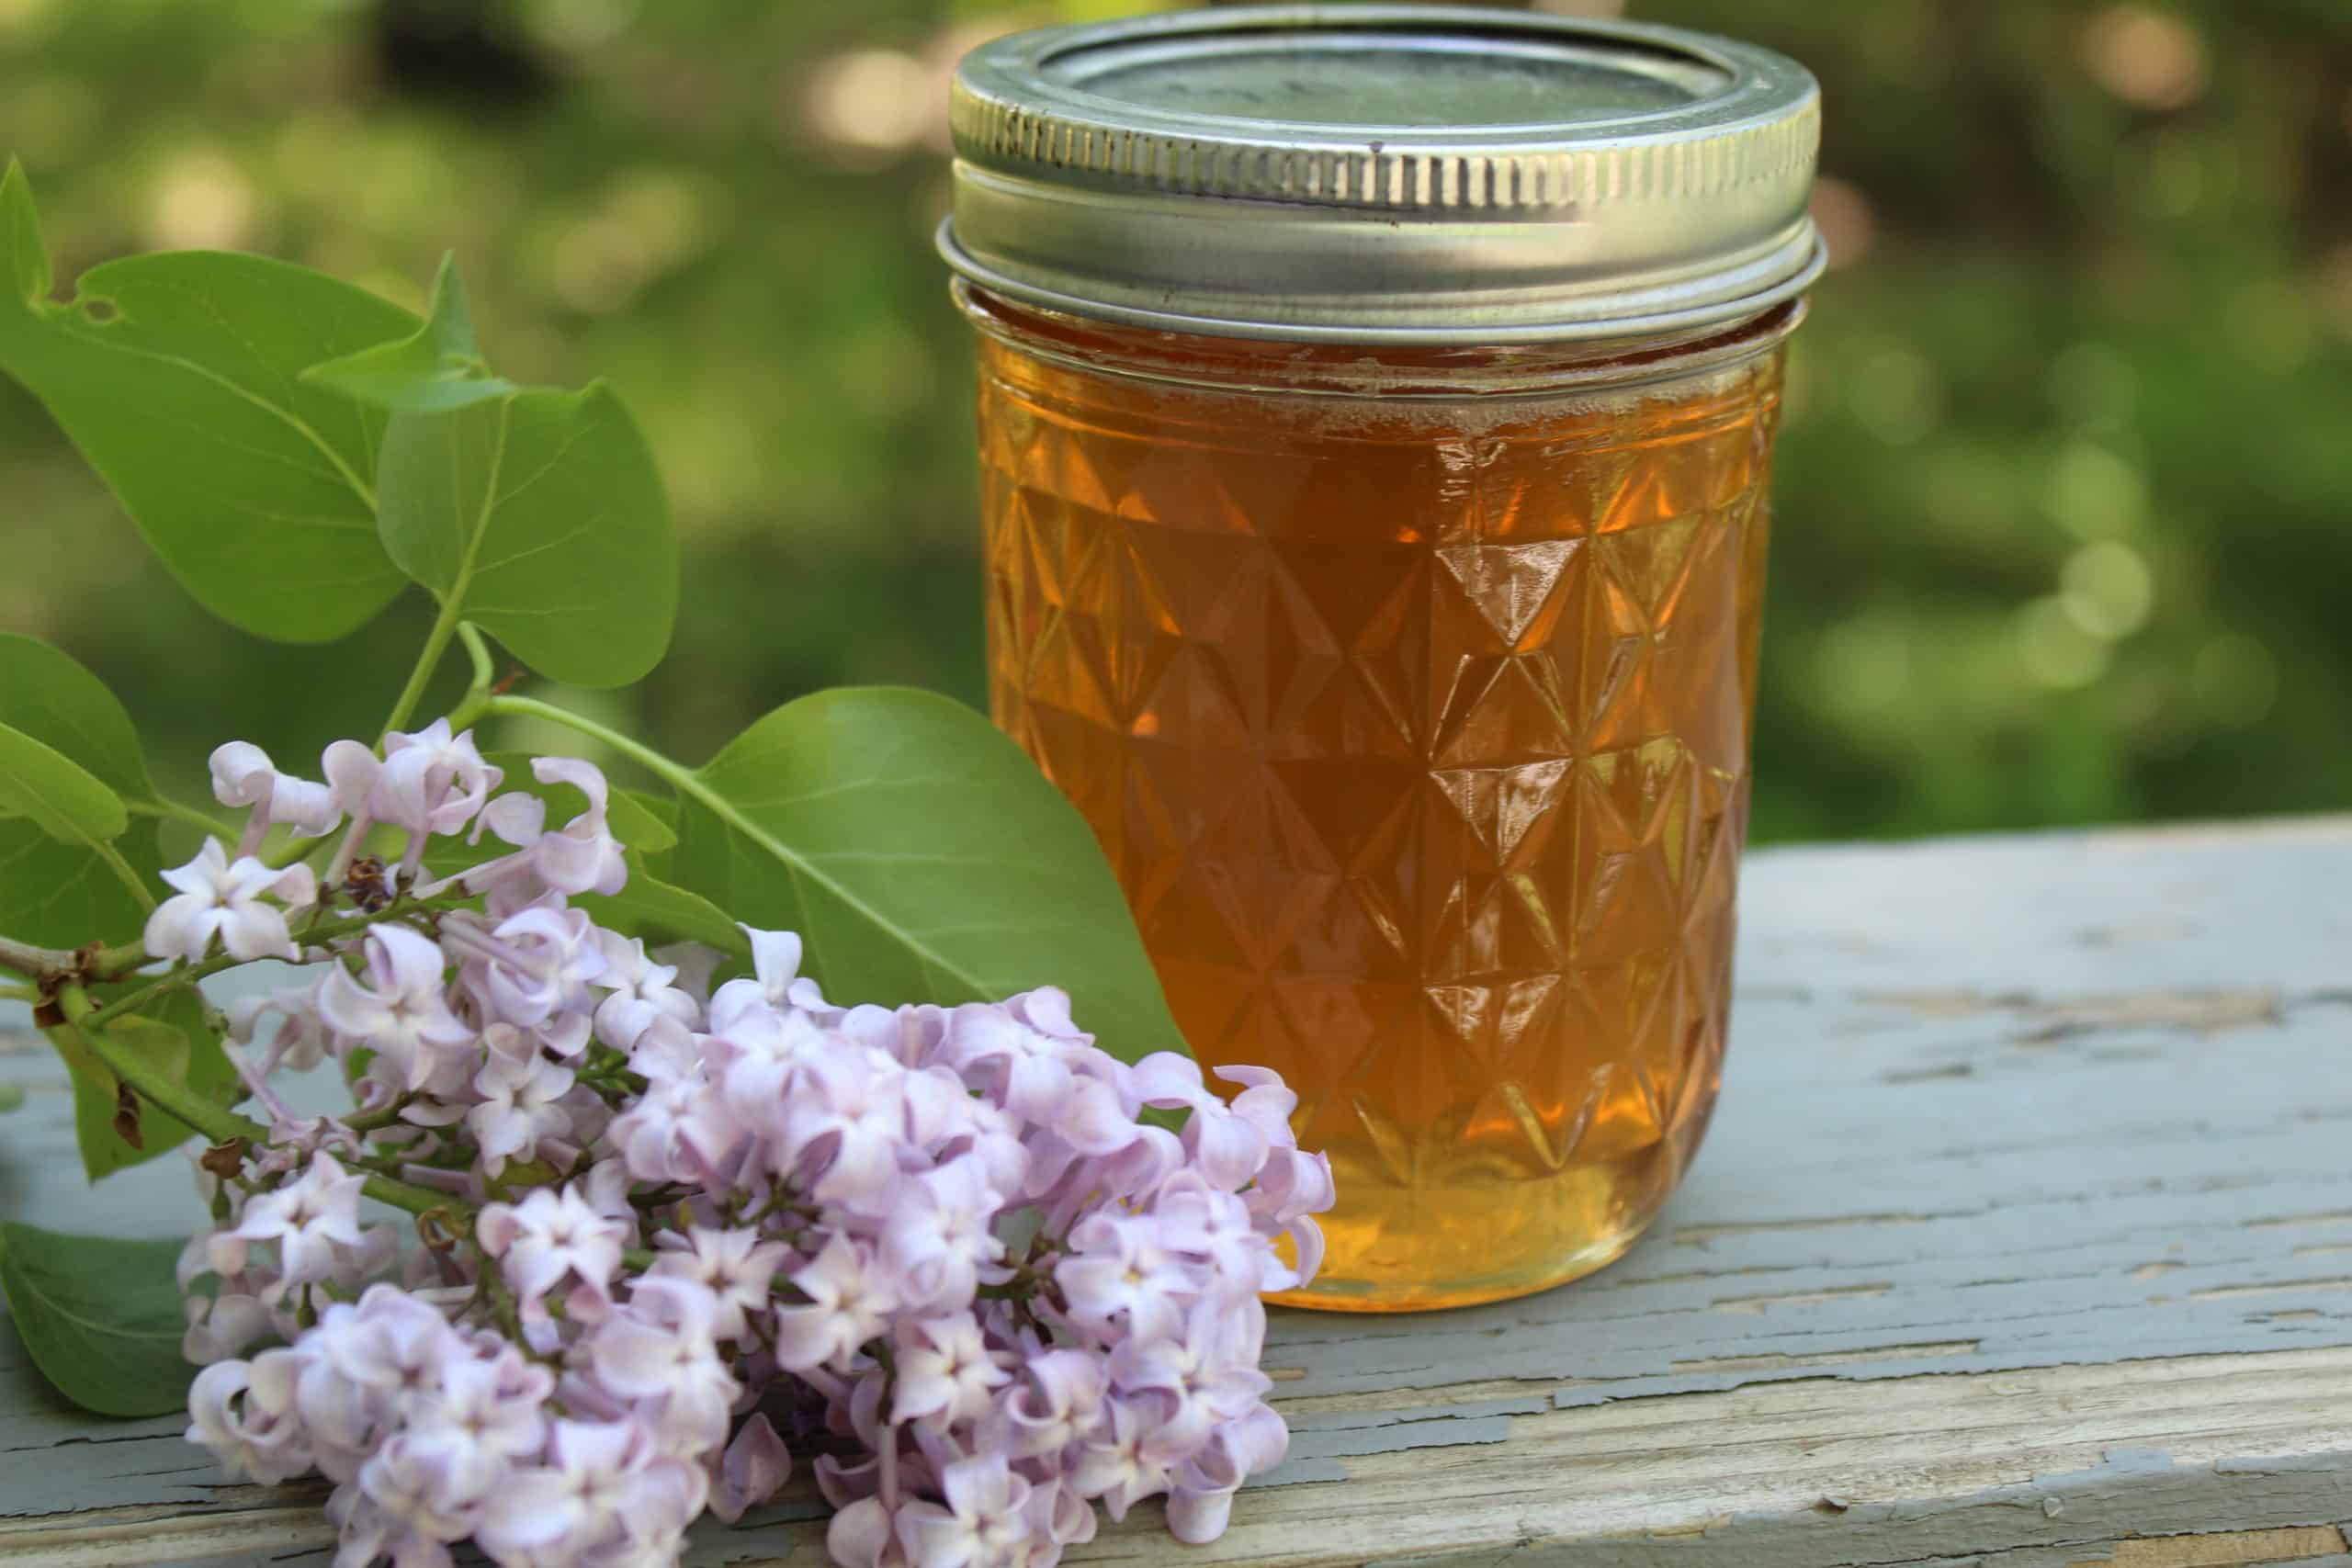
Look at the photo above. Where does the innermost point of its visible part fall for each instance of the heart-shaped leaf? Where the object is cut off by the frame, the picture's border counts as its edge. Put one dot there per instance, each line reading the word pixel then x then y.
pixel 177 376
pixel 62 797
pixel 923 858
pixel 64 894
pixel 101 1318
pixel 61 894
pixel 437 369
pixel 540 517
pixel 51 698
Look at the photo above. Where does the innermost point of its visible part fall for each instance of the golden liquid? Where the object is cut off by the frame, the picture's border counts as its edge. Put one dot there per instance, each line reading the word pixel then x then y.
pixel 1416 727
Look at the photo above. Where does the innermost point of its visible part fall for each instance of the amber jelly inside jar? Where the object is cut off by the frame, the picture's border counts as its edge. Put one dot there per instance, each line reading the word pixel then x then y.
pixel 1392 614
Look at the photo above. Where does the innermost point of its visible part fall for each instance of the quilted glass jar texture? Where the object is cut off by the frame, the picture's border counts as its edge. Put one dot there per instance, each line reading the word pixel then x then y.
pixel 1416 733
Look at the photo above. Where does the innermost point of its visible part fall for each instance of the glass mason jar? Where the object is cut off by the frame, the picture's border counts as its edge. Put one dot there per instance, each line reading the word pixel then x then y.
pixel 1376 409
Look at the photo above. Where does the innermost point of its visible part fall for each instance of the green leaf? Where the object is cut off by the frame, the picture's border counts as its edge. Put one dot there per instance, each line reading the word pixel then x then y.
pixel 177 377
pixel 64 799
pixel 59 894
pixel 28 256
pixel 437 369
pixel 51 698
pixel 660 807
pixel 542 519
pixel 654 853
pixel 646 823
pixel 662 912
pixel 12 1097
pixel 101 1318
pixel 923 858
pixel 177 1036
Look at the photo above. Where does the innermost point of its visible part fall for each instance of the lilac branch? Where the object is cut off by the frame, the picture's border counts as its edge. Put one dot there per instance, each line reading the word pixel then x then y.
pixel 320 935
pixel 216 1122
pixel 33 961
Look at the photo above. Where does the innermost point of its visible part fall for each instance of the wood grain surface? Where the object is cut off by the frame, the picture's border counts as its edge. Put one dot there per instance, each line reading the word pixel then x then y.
pixel 2023 1237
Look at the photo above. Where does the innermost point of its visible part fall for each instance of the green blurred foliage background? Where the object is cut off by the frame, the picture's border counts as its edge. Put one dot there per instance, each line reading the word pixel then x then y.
pixel 2065 505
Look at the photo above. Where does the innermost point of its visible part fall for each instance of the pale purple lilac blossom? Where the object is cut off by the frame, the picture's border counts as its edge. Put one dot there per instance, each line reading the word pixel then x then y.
pixel 942 1235
pixel 243 774
pixel 218 898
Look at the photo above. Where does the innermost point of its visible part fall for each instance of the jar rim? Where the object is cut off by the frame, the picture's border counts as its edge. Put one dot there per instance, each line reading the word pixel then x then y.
pixel 1449 372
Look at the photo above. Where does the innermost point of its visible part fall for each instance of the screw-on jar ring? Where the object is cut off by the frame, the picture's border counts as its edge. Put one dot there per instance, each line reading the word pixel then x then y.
pixel 1385 174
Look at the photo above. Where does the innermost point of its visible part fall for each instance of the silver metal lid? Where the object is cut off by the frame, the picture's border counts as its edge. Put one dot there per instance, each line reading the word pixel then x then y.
pixel 1384 174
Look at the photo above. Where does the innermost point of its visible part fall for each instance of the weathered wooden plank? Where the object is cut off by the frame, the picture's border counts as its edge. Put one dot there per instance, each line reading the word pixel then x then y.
pixel 2034 1161
pixel 2020 1468
pixel 1834 1473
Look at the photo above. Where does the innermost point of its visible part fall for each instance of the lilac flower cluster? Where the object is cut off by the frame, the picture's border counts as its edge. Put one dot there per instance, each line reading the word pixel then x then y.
pixel 947 1249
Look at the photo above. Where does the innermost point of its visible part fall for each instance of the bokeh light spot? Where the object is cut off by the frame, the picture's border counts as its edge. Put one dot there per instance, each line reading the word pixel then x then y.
pixel 873 100
pixel 201 202
pixel 2054 650
pixel 22 16
pixel 2094 493
pixel 647 222
pixel 1843 214
pixel 2150 59
pixel 579 24
pixel 2108 590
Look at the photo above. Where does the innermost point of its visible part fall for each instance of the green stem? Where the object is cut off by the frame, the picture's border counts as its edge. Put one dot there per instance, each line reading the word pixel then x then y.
pixel 416 1200
pixel 384 1116
pixel 19 994
pixel 686 779
pixel 176 812
pixel 447 623
pixel 170 982
pixel 478 649
pixel 436 643
pixel 129 957
pixel 130 879
pixel 316 936
pixel 216 1122
pixel 477 698
pixel 114 962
